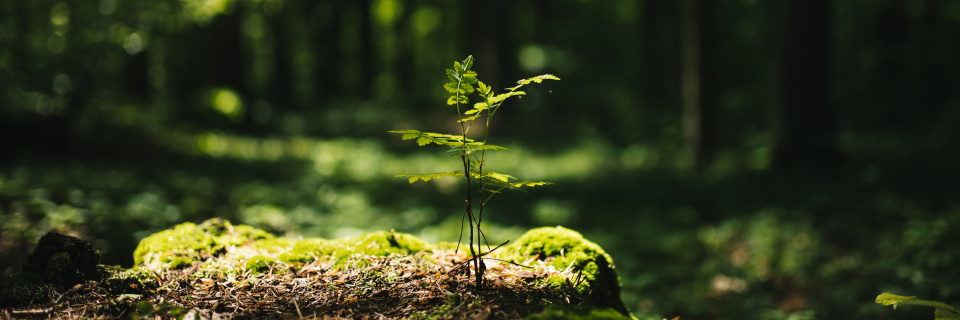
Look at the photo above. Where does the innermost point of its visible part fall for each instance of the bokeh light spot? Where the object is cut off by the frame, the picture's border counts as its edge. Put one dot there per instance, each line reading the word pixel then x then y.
pixel 133 44
pixel 228 103
pixel 425 20
pixel 532 58
pixel 60 14
pixel 386 12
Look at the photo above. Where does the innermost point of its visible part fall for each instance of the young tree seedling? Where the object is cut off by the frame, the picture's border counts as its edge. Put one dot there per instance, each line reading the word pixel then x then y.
pixel 462 83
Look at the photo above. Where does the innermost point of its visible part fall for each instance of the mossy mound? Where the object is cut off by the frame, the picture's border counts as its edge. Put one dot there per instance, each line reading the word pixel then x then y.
pixel 179 246
pixel 59 261
pixel 246 249
pixel 565 249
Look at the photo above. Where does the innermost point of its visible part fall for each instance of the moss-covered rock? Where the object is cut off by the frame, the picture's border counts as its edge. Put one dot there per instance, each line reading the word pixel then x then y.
pixel 185 243
pixel 59 261
pixel 566 249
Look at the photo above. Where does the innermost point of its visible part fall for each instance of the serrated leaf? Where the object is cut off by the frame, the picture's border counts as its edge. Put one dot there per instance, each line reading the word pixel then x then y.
pixel 479 106
pixel 453 75
pixel 452 100
pixel 450 87
pixel 470 118
pixel 422 141
pixel 532 184
pixel 466 88
pixel 407 134
pixel 887 299
pixel 429 176
pixel 457 67
pixel 482 88
pixel 498 176
pixel 470 77
pixel 500 97
pixel 468 63
pixel 537 79
pixel 489 147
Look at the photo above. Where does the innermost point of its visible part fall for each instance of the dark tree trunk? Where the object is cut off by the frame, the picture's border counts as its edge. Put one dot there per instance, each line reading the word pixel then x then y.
pixel 367 64
pixel 803 125
pixel 696 90
pixel 328 49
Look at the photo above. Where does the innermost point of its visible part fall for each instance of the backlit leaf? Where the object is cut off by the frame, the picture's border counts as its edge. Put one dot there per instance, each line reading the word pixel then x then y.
pixel 451 87
pixel 537 79
pixel 429 176
pixel 892 299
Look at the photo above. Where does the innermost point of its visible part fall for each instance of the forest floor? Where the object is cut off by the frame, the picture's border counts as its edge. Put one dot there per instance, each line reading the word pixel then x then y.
pixel 427 285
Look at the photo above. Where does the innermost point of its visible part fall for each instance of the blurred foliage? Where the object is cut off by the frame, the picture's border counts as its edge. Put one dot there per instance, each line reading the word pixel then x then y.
pixel 122 118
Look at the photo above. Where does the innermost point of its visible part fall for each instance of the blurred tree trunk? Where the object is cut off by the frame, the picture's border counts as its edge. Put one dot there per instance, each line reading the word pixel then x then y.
pixel 696 93
pixel 282 91
pixel 486 21
pixel 366 49
pixel 804 128
pixel 328 42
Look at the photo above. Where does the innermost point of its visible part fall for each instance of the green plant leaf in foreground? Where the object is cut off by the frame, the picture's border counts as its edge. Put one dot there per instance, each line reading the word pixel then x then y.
pixel 943 310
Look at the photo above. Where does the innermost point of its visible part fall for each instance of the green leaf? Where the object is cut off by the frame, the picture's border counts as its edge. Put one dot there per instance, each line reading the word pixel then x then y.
pixel 531 184
pixel 467 63
pixel 483 89
pixel 453 75
pixel 422 141
pixel 479 106
pixel 470 118
pixel 498 176
pixel 945 314
pixel 892 299
pixel 888 299
pixel 407 134
pixel 429 176
pixel 485 146
pixel 466 88
pixel 462 99
pixel 500 97
pixel 470 77
pixel 537 79
pixel 451 87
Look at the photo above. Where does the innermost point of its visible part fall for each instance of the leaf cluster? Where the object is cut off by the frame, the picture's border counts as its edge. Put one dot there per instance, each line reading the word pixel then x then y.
pixel 462 82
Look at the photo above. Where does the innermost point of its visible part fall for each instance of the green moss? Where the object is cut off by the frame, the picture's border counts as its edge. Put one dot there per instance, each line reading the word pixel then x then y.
pixel 562 247
pixel 259 264
pixel 179 246
pixel 383 243
pixel 22 289
pixel 308 250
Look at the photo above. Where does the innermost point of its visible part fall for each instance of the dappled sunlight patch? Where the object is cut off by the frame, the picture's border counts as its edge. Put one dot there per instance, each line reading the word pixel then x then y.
pixel 366 160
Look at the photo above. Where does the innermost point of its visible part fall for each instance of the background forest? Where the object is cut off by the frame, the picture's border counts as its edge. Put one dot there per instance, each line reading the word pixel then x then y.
pixel 740 159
